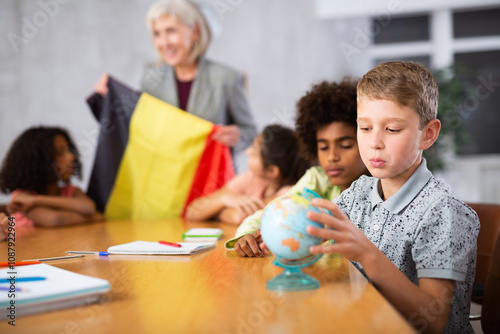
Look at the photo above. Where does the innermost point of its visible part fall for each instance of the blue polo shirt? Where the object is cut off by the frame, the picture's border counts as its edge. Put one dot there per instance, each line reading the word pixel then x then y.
pixel 425 230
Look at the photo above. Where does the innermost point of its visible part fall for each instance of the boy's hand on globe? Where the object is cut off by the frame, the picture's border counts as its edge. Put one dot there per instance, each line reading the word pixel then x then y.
pixel 350 241
pixel 251 245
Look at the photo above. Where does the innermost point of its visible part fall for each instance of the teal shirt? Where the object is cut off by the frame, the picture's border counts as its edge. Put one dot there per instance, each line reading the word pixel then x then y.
pixel 314 179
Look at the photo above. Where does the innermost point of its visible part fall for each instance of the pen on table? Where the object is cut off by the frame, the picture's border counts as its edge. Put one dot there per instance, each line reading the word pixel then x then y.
pixel 86 252
pixel 18 263
pixel 22 279
pixel 173 244
pixel 58 258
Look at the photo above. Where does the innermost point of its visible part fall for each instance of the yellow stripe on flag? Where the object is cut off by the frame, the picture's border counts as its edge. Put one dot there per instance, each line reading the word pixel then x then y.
pixel 164 148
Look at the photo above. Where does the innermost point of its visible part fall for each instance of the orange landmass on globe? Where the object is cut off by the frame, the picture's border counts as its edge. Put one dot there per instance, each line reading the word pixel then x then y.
pixel 292 243
pixel 279 206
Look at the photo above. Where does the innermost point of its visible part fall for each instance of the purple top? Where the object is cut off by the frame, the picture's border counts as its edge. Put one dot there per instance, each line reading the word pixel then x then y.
pixel 183 89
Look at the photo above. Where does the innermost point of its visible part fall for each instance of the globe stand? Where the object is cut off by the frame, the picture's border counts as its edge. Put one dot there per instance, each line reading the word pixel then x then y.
pixel 292 278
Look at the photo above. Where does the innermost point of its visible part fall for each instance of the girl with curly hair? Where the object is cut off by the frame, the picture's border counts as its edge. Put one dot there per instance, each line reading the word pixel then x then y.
pixel 37 171
pixel 326 125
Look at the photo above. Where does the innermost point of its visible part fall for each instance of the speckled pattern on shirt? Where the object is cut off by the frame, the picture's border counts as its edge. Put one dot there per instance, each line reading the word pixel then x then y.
pixel 425 231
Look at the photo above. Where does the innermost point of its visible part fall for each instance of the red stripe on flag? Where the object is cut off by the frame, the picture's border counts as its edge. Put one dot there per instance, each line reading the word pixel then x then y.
pixel 214 170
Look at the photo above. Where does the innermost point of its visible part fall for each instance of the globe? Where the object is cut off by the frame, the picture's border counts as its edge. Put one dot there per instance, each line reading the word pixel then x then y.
pixel 283 229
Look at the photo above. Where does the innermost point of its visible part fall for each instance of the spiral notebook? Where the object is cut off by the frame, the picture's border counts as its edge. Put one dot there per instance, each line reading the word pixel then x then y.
pixel 154 248
pixel 53 289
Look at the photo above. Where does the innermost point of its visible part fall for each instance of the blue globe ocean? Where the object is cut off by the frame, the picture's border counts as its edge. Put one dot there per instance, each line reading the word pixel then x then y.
pixel 284 223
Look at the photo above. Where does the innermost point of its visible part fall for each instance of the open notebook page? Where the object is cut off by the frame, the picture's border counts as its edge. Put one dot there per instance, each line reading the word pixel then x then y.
pixel 155 248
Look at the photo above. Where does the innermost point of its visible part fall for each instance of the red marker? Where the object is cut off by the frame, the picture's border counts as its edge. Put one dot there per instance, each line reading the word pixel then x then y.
pixel 173 244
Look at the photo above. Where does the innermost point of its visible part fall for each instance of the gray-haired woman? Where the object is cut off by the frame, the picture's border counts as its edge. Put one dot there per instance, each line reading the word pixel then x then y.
pixel 185 78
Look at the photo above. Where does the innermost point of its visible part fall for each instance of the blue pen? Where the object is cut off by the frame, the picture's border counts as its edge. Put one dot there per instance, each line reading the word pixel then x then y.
pixel 4 288
pixel 22 279
pixel 84 252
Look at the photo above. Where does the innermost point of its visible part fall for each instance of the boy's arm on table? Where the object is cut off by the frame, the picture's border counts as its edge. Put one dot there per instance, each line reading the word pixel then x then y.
pixel 79 203
pixel 411 300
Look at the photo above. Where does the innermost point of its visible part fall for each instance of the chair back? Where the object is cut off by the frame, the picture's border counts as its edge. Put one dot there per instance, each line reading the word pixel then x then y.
pixel 489 219
pixel 490 311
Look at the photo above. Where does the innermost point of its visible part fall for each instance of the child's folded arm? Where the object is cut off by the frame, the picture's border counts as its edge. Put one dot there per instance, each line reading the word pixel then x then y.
pixel 48 217
pixel 231 216
pixel 79 203
pixel 206 207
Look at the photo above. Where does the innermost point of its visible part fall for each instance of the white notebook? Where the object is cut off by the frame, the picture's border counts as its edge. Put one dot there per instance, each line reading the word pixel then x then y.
pixel 154 248
pixel 60 289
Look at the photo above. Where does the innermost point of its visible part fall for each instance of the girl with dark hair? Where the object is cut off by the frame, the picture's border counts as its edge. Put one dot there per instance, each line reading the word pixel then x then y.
pixel 37 171
pixel 274 164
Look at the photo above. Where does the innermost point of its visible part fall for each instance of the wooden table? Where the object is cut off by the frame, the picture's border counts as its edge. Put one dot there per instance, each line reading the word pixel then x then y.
pixel 212 292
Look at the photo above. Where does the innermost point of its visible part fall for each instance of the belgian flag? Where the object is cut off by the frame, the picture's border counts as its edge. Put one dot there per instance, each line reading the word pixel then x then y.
pixel 152 158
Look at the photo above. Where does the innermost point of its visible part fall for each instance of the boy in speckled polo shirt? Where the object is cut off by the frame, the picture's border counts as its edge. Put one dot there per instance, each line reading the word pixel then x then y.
pixel 406 230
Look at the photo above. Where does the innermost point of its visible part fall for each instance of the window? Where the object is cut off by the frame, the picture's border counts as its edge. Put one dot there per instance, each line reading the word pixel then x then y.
pixel 407 29
pixel 442 38
pixel 480 110
pixel 476 23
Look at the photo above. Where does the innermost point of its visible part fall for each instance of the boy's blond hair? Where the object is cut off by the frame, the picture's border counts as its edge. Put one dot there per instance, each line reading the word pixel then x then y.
pixel 406 83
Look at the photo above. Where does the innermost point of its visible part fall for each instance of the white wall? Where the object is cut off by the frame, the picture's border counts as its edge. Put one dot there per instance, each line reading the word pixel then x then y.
pixel 279 44
pixel 66 47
